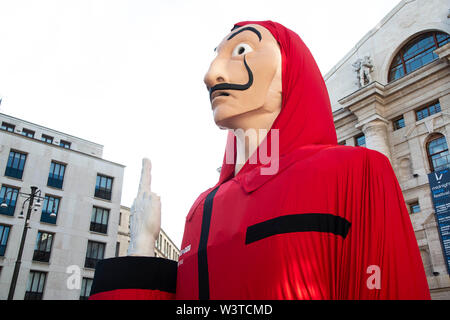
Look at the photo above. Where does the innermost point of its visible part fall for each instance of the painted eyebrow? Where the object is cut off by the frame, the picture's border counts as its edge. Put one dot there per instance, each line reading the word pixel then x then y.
pixel 244 29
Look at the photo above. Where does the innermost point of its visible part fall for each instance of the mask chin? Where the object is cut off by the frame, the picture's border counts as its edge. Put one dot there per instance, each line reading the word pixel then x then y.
pixel 251 118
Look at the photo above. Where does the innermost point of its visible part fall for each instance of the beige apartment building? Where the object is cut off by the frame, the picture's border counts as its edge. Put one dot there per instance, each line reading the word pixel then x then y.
pixel 391 93
pixel 75 214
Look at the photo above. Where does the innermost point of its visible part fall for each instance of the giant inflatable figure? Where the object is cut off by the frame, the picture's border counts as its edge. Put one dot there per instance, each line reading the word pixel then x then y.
pixel 304 218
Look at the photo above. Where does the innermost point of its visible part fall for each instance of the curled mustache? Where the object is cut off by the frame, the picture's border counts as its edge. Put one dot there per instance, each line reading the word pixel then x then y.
pixel 232 86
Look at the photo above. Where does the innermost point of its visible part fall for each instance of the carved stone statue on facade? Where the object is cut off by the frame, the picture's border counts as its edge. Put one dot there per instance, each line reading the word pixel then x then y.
pixel 145 217
pixel 363 67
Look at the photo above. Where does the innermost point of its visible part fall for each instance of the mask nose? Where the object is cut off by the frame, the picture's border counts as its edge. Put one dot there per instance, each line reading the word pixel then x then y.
pixel 215 74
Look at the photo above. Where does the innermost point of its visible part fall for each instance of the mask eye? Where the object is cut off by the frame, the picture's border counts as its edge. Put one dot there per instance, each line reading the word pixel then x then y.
pixel 241 49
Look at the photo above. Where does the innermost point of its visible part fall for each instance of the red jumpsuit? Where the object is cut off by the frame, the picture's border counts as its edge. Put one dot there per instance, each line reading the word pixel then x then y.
pixel 330 224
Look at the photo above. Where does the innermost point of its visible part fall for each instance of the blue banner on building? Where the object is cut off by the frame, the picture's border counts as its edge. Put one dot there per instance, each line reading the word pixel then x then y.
pixel 440 193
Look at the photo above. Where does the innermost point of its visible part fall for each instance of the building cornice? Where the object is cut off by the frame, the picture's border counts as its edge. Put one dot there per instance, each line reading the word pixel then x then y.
pixel 60 148
pixel 126 234
pixel 377 95
pixel 52 130
pixel 369 93
pixel 375 118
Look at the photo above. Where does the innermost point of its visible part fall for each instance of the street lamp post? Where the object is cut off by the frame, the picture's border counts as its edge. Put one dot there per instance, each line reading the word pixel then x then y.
pixel 12 288
pixel 35 194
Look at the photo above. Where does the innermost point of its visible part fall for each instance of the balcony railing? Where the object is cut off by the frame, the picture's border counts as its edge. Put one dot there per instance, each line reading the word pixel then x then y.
pixel 99 227
pixel 43 256
pixel 14 173
pixel 9 210
pixel 103 193
pixel 91 262
pixel 33 295
pixel 45 217
pixel 55 182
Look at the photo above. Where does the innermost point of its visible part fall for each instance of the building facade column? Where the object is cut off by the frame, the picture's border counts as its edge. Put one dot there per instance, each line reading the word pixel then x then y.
pixel 376 134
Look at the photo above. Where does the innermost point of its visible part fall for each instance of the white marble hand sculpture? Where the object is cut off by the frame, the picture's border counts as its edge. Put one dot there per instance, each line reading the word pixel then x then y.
pixel 145 217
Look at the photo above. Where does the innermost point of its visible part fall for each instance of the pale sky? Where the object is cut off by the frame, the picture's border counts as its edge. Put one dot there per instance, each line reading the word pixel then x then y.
pixel 129 75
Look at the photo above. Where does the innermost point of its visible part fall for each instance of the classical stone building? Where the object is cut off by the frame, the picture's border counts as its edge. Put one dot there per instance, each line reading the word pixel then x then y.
pixel 391 93
pixel 73 223
pixel 164 246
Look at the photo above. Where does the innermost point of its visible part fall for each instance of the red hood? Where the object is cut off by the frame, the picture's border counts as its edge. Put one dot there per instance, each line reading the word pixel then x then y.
pixel 305 117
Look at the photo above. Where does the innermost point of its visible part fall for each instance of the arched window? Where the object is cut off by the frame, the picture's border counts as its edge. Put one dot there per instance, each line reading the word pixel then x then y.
pixel 417 53
pixel 437 151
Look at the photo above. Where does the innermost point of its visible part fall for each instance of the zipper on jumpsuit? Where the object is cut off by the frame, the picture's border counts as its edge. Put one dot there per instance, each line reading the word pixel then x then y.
pixel 203 274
